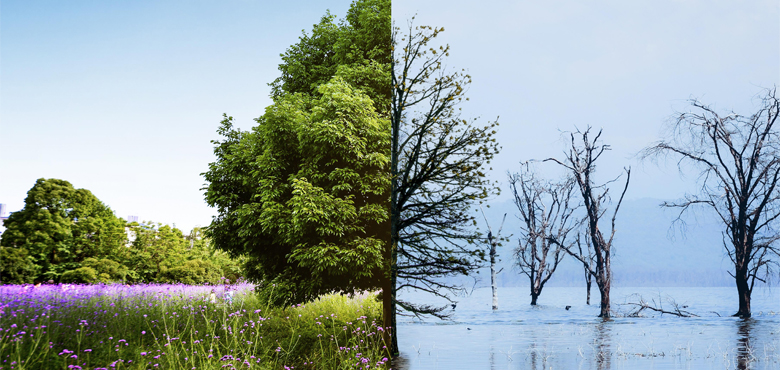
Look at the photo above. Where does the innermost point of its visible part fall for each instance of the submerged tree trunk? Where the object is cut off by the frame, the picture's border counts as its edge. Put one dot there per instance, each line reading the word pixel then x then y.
pixel 493 242
pixel 587 287
pixel 493 274
pixel 743 290
pixel 534 297
pixel 604 291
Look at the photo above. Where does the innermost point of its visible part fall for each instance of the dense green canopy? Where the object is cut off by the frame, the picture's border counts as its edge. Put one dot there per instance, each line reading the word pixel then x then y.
pixel 305 194
pixel 60 226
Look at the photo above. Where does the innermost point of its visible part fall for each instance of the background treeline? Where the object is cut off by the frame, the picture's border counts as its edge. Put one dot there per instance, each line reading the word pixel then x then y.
pixel 67 235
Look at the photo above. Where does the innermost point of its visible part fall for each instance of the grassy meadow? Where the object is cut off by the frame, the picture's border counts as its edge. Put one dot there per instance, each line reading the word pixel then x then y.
pixel 166 326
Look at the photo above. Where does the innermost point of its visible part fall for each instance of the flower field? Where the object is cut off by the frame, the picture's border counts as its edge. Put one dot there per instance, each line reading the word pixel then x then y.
pixel 183 327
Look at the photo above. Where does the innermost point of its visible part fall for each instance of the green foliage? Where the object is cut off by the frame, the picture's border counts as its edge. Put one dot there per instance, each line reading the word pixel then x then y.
pixel 16 266
pixel 82 275
pixel 305 194
pixel 107 270
pixel 155 249
pixel 193 272
pixel 316 219
pixel 357 49
pixel 61 226
pixel 161 253
pixel 202 248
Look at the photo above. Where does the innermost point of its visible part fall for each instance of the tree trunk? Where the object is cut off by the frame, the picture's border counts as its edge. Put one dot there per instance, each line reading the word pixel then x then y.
pixel 493 275
pixel 395 216
pixel 587 287
pixel 743 289
pixel 534 296
pixel 604 290
pixel 387 314
pixel 388 305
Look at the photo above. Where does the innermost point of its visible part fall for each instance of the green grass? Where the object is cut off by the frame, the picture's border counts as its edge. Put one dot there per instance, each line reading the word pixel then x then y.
pixel 180 331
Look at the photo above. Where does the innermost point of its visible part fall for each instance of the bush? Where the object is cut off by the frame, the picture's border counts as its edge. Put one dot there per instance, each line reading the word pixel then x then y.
pixel 193 272
pixel 16 266
pixel 81 275
pixel 107 270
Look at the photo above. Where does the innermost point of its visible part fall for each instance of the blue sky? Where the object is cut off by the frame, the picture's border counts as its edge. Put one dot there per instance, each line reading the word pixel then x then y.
pixel 624 66
pixel 123 97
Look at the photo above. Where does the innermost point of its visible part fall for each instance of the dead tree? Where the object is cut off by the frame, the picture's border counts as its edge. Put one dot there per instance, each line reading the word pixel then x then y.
pixel 493 242
pixel 580 161
pixel 739 162
pixel 546 215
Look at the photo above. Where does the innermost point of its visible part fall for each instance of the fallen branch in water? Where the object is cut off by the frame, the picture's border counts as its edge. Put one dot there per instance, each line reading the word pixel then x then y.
pixel 642 305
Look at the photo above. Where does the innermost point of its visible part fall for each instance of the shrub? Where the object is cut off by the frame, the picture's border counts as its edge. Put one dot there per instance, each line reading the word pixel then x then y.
pixel 107 270
pixel 16 266
pixel 81 275
pixel 193 272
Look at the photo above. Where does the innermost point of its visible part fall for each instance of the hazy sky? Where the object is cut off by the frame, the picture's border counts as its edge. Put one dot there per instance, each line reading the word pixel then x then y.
pixel 123 97
pixel 624 66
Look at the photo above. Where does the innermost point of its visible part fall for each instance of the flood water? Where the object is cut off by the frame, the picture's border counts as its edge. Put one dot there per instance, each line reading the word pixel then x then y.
pixel 547 336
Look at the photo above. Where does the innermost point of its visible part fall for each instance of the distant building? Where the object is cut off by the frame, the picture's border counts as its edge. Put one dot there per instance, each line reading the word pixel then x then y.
pixel 130 233
pixel 3 216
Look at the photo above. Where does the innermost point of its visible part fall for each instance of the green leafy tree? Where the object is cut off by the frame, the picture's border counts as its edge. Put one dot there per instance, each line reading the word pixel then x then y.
pixel 154 249
pixel 202 248
pixel 312 217
pixel 304 195
pixel 60 226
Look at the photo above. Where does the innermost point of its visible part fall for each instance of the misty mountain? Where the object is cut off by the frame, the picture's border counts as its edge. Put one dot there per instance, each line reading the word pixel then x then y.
pixel 649 249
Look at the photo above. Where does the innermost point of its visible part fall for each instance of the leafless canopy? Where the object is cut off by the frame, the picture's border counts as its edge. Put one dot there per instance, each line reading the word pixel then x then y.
pixel 438 164
pixel 580 161
pixel 546 218
pixel 738 158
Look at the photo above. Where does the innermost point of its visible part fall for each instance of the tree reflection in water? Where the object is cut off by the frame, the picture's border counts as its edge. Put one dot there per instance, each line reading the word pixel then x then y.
pixel 601 344
pixel 745 354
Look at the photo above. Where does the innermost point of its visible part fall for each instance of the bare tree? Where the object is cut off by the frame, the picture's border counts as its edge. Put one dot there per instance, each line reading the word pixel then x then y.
pixel 493 242
pixel 438 166
pixel 546 215
pixel 739 162
pixel 581 162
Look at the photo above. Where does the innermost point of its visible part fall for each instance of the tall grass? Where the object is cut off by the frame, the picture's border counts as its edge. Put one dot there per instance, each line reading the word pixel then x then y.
pixel 177 327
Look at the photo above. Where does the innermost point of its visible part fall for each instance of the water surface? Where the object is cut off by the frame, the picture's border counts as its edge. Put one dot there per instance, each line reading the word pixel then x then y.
pixel 547 336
